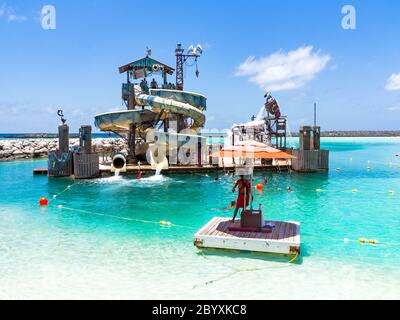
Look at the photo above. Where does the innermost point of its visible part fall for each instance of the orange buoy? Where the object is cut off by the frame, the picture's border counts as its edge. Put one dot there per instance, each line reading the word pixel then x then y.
pixel 259 187
pixel 43 201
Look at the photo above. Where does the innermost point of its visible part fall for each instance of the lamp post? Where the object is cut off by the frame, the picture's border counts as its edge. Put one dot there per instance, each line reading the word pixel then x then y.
pixel 181 58
pixel 315 114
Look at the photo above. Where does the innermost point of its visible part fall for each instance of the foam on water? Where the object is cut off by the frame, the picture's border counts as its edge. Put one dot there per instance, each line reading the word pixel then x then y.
pixel 158 178
pixel 109 180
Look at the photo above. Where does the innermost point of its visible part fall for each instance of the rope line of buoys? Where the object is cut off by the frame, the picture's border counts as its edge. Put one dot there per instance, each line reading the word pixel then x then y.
pixel 65 190
pixel 351 159
pixel 390 192
pixel 167 223
pixel 43 201
pixel 347 240
pixel 161 223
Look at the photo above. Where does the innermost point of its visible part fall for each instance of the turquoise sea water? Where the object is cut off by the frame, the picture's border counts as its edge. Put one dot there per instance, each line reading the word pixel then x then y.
pixel 63 253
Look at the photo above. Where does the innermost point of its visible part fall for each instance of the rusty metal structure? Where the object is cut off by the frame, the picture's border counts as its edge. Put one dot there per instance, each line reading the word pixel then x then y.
pixel 271 129
pixel 181 59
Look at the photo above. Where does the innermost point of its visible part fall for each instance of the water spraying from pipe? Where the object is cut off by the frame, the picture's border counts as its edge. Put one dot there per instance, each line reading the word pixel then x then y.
pixel 260 114
pixel 159 169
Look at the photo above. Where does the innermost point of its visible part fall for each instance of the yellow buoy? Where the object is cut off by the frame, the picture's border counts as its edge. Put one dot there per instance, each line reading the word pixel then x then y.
pixel 373 241
pixel 165 223
pixel 354 190
pixel 362 240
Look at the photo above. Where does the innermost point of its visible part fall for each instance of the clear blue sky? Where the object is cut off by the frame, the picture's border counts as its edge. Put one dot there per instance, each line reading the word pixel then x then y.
pixel 75 66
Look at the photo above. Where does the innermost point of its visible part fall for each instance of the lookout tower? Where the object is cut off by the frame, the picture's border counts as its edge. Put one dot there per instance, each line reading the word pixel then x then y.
pixel 141 69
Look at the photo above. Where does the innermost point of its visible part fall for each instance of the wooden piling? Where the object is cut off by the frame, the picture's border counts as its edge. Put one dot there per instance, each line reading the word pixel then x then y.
pixel 305 138
pixel 60 164
pixel 86 165
pixel 310 160
pixel 85 139
pixel 63 138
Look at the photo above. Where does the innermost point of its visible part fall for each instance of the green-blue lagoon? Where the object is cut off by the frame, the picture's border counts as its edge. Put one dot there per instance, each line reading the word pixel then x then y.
pixel 101 238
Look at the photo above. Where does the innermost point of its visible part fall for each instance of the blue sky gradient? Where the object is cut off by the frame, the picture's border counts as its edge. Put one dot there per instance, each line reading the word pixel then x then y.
pixel 75 66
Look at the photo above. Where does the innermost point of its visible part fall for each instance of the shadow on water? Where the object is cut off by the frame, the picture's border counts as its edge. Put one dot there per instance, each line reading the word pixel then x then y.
pixel 268 257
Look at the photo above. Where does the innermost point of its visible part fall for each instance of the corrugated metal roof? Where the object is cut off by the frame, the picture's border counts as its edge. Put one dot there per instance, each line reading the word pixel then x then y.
pixel 146 62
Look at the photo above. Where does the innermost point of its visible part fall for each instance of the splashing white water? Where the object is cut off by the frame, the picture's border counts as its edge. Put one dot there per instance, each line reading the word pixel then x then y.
pixel 160 166
pixel 116 173
pixel 260 114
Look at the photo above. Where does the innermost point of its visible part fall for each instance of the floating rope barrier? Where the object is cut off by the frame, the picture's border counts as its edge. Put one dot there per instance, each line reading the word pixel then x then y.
pixel 169 224
pixel 347 240
pixel 236 271
pixel 66 189
pixel 389 192
pixel 162 222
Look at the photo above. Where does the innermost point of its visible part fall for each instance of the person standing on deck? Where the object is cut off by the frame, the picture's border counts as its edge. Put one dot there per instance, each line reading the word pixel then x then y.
pixel 144 86
pixel 154 84
pixel 244 192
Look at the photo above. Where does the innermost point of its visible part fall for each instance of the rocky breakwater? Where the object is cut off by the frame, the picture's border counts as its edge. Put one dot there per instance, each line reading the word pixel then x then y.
pixel 29 149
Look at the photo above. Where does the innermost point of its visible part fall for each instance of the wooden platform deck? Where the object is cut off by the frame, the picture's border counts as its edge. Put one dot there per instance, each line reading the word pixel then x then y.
pixel 284 238
pixel 133 169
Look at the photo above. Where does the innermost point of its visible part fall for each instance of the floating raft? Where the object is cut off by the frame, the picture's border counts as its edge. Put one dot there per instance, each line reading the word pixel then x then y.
pixel 284 238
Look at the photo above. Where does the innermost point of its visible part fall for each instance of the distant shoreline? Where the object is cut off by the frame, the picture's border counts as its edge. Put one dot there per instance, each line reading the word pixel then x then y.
pixel 358 134
pixel 49 135
pixel 324 134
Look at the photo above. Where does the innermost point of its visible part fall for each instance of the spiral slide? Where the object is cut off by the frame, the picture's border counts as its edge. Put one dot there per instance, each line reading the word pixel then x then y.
pixel 162 103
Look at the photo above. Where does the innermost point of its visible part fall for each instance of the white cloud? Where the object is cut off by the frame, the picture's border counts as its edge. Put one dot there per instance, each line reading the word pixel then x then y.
pixel 395 108
pixel 393 82
pixel 9 14
pixel 284 71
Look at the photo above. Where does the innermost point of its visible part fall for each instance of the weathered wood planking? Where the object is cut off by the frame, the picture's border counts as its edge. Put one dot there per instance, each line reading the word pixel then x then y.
pixel 86 165
pixel 310 160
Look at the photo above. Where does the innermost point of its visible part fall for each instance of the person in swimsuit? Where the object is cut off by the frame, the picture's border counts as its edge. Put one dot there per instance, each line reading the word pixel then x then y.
pixel 244 193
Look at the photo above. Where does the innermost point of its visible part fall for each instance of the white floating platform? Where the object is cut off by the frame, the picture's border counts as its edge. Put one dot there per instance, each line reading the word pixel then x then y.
pixel 284 238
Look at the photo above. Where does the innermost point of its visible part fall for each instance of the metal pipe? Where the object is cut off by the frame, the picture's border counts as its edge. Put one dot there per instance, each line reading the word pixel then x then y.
pixel 119 162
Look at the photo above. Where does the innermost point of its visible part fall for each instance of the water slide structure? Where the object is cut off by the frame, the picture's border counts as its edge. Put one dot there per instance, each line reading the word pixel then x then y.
pixel 165 107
